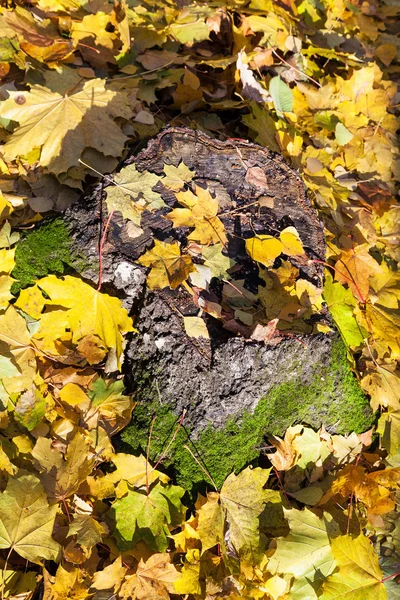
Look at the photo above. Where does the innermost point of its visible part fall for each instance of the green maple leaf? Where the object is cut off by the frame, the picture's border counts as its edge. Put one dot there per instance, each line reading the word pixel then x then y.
pixel 216 261
pixel 142 516
pixel 305 553
pixel 237 508
pixel 27 520
pixel 132 193
pixel 341 304
pixel 176 177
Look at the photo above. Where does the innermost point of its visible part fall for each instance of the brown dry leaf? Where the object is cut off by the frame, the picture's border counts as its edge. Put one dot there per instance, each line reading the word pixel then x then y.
pixel 154 578
pixel 34 40
pixel 62 476
pixel 354 267
pixel 256 177
pixel 285 456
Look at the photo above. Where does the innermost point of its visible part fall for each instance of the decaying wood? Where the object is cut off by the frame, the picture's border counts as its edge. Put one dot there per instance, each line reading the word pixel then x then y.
pixel 258 193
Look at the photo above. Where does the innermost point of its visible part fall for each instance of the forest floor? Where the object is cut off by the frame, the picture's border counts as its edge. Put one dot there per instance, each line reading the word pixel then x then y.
pixel 83 84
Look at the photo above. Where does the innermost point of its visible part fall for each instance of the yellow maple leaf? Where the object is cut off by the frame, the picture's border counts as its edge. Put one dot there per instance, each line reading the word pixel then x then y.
pixel 31 301
pixel 265 248
pixel 168 267
pixel 89 312
pixel 359 575
pixel 200 212
pixel 15 335
pixel 62 475
pixel 7 263
pixel 83 116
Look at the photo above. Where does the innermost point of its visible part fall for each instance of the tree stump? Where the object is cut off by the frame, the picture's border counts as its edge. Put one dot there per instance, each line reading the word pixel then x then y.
pixel 232 390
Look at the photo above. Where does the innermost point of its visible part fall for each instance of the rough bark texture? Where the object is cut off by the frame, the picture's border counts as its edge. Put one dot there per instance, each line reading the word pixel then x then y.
pixel 220 378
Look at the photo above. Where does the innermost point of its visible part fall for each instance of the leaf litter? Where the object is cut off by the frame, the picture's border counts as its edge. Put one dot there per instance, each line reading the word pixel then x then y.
pixel 315 82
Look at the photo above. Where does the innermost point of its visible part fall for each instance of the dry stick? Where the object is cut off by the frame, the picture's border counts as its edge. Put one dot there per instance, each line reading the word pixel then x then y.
pixel 235 210
pixel 349 514
pixel 101 246
pixel 3 583
pixel 148 452
pixel 103 237
pixel 295 68
pixel 201 467
pixel 172 440
pixel 88 47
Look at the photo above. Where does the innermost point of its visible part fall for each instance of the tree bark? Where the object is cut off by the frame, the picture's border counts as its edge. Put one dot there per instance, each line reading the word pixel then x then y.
pixel 217 379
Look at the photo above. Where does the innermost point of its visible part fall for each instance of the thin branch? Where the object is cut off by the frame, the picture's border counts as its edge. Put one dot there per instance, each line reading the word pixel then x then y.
pixel 171 442
pixel 201 467
pixel 148 453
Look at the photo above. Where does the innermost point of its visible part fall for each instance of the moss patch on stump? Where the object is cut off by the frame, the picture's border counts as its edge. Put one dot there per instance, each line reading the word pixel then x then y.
pixel 46 249
pixel 240 442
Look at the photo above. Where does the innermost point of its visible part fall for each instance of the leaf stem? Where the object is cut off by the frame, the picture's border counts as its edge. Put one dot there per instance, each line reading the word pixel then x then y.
pixel 66 509
pixel 201 467
pixel 101 247
pixel 148 453
pixel 171 441
pixel 390 576
pixel 4 573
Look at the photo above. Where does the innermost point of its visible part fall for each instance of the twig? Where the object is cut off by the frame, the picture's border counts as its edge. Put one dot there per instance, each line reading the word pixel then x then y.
pixel 295 68
pixel 148 453
pixel 101 246
pixel 280 483
pixel 201 467
pixel 349 514
pixel 390 576
pixel 172 440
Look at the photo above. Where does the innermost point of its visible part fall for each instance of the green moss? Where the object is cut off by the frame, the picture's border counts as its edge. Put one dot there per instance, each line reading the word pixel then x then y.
pixel 46 249
pixel 239 444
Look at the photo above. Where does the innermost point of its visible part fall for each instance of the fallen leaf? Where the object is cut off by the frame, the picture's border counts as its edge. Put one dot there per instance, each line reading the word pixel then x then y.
pixel 196 327
pixel 27 521
pixel 62 476
pixel 200 212
pixel 359 576
pixel 176 177
pixel 45 118
pixel 169 268
pixel 306 552
pixel 252 89
pixel 132 193
pixel 146 516
pixel 89 312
